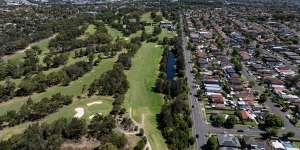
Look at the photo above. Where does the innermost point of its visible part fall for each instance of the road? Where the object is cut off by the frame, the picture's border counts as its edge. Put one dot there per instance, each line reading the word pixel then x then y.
pixel 288 126
pixel 288 63
pixel 200 127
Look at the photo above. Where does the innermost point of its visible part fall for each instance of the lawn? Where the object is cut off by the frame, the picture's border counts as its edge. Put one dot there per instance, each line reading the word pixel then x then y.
pixel 140 98
pixel 296 144
pixel 66 112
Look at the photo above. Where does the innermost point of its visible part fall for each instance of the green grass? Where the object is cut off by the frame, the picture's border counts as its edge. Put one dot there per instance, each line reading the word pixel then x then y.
pixel 296 144
pixel 146 17
pixel 18 56
pixel 91 29
pixel 220 111
pixel 73 89
pixel 114 32
pixel 140 96
pixel 65 112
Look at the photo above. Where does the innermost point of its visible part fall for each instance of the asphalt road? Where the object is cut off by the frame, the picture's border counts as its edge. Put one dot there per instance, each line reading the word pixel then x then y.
pixel 288 126
pixel 200 127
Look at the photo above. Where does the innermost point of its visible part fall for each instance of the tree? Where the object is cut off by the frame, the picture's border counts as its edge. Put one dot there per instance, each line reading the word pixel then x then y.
pixel 272 120
pixel 270 132
pixel 141 144
pixel 263 98
pixel 75 129
pixel 156 31
pixel 212 143
pixel 289 134
pixel 107 146
pixel 230 122
pixel 219 121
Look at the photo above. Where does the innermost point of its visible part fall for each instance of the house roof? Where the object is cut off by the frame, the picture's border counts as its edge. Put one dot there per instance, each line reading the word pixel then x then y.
pixel 228 140
pixel 219 99
pixel 244 114
pixel 277 145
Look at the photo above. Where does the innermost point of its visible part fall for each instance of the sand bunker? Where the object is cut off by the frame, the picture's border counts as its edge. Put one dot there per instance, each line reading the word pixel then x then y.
pixel 94 103
pixel 79 112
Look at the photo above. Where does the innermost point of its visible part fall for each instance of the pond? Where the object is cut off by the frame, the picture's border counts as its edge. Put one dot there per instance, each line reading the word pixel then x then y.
pixel 171 65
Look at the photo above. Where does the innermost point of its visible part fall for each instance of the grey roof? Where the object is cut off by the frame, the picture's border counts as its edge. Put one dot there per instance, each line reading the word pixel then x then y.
pixel 228 140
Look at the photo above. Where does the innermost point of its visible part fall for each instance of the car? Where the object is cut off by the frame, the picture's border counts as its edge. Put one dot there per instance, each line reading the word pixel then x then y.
pixel 192 106
pixel 197 136
pixel 240 130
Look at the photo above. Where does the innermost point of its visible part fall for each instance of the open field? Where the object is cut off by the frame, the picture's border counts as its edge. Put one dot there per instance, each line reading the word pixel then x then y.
pixel 140 97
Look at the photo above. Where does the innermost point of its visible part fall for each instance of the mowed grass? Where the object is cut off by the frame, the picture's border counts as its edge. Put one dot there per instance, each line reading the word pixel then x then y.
pixel 74 88
pixel 19 55
pixel 91 29
pixel 113 32
pixel 66 112
pixel 146 17
pixel 140 98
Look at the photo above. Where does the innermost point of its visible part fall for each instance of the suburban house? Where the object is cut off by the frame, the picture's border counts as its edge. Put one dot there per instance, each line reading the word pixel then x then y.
pixel 228 141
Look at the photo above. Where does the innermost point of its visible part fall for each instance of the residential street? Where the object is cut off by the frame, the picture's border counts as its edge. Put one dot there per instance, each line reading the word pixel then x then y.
pixel 199 124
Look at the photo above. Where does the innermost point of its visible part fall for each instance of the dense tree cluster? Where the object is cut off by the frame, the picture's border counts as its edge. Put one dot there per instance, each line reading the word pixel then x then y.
pixel 155 17
pixel 28 24
pixel 29 65
pixel 102 128
pixel 175 123
pixel 40 81
pixel 174 119
pixel 33 111
pixel 53 61
pixel 111 82
pixel 272 120
pixel 236 60
pixel 52 136
pixel 125 20
pixel 175 86
pixel 7 90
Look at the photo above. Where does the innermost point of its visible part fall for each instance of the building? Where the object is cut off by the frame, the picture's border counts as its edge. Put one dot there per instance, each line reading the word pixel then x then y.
pixel 228 141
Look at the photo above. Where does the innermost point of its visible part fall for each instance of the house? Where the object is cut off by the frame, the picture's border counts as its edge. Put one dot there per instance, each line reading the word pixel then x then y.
pixel 253 143
pixel 245 115
pixel 217 99
pixel 276 145
pixel 285 71
pixel 228 141
pixel 166 25
pixel 203 63
pixel 245 55
pixel 288 145
pixel 194 37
